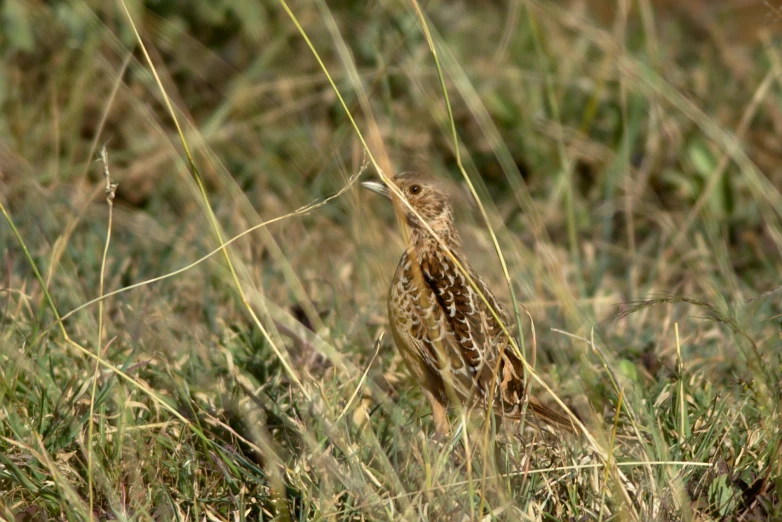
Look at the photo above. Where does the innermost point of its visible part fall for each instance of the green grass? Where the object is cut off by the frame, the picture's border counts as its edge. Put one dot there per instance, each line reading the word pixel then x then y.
pixel 626 169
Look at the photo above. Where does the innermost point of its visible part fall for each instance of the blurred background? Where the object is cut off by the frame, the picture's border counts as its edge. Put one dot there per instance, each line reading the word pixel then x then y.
pixel 627 156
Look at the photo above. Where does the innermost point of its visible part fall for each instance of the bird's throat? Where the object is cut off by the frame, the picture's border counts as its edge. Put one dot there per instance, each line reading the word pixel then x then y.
pixel 425 243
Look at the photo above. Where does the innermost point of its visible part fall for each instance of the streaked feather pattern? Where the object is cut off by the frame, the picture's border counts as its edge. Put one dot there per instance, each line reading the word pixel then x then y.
pixel 448 337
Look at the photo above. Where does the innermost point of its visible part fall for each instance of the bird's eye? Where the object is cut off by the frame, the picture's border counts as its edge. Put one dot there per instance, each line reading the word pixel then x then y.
pixel 415 189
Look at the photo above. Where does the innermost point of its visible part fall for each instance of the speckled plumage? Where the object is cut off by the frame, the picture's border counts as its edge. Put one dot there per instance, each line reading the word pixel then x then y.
pixel 448 337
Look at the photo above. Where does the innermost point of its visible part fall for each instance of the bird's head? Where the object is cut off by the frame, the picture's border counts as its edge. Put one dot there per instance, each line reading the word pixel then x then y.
pixel 427 198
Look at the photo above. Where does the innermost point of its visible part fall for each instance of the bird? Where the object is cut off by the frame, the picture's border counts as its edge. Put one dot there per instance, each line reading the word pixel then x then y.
pixel 448 337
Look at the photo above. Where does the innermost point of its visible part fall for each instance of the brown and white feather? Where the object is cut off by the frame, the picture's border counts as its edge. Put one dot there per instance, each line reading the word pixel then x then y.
pixel 447 335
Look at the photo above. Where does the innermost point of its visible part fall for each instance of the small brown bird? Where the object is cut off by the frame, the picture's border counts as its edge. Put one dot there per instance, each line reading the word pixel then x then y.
pixel 448 337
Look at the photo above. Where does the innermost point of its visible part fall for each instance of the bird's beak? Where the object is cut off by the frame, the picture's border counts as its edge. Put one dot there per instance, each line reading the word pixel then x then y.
pixel 378 187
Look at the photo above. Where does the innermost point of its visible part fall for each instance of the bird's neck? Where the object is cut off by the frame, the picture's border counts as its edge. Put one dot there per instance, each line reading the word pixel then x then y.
pixel 424 245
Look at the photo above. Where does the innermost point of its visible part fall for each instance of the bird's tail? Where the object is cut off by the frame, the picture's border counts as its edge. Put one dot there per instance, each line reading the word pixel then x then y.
pixel 552 417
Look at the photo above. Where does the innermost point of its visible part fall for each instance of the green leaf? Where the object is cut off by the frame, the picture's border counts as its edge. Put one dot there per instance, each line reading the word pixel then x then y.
pixel 17 27
pixel 701 159
pixel 722 495
pixel 629 369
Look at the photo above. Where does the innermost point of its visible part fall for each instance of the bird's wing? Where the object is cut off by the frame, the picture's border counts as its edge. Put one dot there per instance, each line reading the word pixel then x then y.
pixel 424 330
pixel 484 348
pixel 463 335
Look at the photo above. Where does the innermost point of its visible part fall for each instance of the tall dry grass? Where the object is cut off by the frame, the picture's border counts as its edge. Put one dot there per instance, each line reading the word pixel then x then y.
pixel 209 346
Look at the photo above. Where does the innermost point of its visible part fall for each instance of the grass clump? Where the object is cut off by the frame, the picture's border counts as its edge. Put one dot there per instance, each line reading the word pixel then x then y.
pixel 624 163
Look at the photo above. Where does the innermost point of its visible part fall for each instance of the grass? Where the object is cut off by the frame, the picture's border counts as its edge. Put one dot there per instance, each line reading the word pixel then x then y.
pixel 614 170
